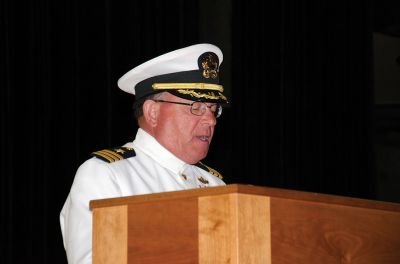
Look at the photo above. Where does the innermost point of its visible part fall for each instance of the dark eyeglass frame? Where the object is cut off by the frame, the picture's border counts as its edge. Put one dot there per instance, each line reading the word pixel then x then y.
pixel 217 113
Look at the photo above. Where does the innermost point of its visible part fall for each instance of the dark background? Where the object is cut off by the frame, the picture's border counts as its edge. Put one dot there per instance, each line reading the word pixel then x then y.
pixel 303 79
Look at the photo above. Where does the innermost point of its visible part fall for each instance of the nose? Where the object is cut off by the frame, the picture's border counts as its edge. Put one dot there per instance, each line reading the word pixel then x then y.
pixel 209 117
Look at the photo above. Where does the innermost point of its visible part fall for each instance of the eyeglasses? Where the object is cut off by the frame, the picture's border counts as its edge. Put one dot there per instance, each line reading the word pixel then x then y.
pixel 198 108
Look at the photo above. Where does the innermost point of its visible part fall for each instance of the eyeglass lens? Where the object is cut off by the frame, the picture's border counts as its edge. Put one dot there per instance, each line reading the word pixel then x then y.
pixel 199 108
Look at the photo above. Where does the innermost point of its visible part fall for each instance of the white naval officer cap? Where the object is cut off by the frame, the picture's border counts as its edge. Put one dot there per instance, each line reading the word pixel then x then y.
pixel 191 73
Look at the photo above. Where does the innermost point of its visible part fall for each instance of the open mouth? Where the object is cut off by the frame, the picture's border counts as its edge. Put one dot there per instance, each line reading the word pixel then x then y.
pixel 204 138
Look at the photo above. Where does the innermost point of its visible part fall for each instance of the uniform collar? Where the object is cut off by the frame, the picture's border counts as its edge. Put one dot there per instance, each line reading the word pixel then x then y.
pixel 150 146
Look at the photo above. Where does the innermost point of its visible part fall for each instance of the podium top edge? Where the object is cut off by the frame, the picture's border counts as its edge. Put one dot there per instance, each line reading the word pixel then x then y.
pixel 251 190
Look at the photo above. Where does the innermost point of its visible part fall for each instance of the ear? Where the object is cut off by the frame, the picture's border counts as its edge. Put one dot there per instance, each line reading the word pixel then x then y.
pixel 150 112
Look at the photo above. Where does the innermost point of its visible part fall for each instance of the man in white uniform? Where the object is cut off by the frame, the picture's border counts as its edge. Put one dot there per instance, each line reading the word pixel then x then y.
pixel 177 102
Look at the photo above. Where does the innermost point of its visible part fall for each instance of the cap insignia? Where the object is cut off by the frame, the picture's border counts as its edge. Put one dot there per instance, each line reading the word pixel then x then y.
pixel 209 63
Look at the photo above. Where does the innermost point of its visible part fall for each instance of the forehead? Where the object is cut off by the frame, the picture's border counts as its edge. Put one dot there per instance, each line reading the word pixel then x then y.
pixel 171 97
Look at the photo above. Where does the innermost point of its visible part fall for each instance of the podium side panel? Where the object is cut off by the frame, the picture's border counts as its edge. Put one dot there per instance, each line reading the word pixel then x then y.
pixel 314 232
pixel 110 235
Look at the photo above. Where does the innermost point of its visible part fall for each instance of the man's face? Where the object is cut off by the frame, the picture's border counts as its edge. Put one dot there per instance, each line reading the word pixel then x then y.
pixel 186 135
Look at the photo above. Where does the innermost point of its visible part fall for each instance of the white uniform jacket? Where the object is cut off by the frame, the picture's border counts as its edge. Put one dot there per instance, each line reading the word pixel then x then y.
pixel 150 169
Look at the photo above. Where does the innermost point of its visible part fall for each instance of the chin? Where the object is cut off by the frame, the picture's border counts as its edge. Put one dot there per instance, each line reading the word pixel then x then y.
pixel 196 158
pixel 201 157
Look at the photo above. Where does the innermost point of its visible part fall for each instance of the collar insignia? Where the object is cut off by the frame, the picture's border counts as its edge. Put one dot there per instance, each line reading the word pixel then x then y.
pixel 202 180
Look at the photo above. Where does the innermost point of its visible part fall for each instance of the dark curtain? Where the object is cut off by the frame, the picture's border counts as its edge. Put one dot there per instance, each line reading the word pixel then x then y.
pixel 302 96
pixel 299 77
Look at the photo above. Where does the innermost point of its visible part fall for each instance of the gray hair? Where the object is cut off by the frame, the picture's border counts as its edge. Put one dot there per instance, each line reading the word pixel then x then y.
pixel 138 106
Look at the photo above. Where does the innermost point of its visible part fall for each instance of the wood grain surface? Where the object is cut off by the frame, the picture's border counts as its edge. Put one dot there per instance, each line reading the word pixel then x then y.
pixel 312 232
pixel 110 234
pixel 234 228
pixel 163 232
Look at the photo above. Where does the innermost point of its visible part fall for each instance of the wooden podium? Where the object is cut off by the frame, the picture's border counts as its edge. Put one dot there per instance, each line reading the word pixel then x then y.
pixel 244 224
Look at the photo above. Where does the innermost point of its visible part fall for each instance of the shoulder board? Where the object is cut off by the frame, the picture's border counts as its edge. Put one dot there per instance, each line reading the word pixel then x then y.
pixel 210 170
pixel 114 154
